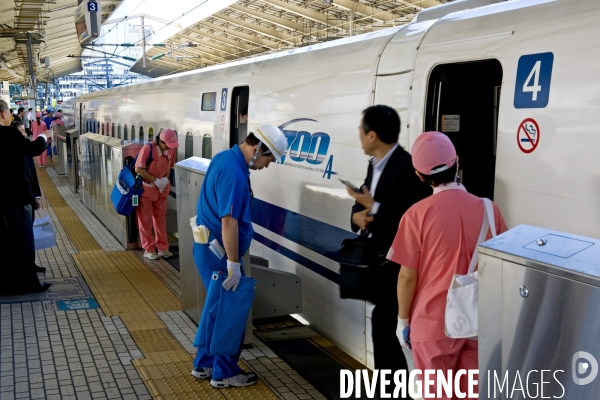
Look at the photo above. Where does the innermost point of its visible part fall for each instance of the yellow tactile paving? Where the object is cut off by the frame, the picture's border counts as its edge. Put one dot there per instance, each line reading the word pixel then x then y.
pixel 124 286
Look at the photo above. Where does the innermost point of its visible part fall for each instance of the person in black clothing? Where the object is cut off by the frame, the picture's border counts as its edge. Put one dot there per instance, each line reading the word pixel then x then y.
pixel 20 117
pixel 16 214
pixel 391 188
pixel 35 185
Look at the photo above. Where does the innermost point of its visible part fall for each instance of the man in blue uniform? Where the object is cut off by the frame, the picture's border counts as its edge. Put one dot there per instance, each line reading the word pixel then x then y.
pixel 224 208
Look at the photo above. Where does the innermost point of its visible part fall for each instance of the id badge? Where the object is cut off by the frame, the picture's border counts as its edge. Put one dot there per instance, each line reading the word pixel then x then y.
pixel 134 200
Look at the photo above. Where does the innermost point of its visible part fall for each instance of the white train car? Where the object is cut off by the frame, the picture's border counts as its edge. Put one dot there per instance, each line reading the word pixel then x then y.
pixel 513 84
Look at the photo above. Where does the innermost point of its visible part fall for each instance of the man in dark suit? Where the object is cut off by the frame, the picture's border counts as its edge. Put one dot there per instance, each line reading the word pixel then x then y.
pixel 16 214
pixel 391 188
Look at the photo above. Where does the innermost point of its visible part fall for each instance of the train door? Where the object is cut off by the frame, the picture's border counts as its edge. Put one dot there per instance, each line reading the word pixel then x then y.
pixel 462 102
pixel 239 115
pixel 81 118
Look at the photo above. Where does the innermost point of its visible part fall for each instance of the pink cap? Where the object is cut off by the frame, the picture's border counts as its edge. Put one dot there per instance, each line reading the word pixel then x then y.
pixel 38 114
pixel 433 149
pixel 58 115
pixel 170 138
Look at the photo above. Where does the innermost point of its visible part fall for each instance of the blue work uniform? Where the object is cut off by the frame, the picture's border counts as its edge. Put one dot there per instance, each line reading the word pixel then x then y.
pixel 225 191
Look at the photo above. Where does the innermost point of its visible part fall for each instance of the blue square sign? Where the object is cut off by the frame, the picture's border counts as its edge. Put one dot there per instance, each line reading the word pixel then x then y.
pixel 534 73
pixel 92 6
pixel 224 99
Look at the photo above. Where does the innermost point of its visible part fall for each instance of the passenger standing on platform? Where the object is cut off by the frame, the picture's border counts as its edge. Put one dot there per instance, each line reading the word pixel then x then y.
pixel 152 207
pixel 39 127
pixel 35 186
pixel 441 233
pixel 30 119
pixel 48 119
pixel 224 208
pixel 16 214
pixel 20 117
pixel 390 188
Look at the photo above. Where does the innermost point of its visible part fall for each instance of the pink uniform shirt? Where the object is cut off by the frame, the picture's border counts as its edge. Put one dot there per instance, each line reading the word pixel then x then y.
pixel 437 237
pixel 58 122
pixel 162 162
pixel 37 129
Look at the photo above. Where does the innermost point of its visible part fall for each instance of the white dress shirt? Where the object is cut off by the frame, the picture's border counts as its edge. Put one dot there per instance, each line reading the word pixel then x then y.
pixel 378 167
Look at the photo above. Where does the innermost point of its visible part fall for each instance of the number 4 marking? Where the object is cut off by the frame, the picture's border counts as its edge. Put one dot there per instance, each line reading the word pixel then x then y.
pixel 535 74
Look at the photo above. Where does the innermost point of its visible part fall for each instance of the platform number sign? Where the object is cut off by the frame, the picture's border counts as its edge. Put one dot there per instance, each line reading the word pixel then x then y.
pixel 224 99
pixel 534 73
pixel 92 6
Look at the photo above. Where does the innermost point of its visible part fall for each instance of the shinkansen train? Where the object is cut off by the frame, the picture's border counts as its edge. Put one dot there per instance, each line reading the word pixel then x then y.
pixel 515 85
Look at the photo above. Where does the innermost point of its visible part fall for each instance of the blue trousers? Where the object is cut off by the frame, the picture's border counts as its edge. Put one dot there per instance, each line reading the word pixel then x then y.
pixel 224 366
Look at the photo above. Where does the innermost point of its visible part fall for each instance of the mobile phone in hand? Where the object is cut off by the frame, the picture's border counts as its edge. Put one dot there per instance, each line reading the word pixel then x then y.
pixel 351 186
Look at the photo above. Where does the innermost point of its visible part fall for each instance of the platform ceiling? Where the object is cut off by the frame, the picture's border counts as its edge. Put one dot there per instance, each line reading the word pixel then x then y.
pixel 244 29
pixel 251 27
pixel 52 26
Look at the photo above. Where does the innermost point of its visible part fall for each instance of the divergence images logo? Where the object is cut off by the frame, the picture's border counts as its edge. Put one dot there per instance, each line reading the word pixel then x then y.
pixel 307 147
pixel 581 368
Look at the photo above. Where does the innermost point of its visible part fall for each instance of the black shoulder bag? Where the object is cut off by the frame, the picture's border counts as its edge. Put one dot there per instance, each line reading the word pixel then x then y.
pixel 356 275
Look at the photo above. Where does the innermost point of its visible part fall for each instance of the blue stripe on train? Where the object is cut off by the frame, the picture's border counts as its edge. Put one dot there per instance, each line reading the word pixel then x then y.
pixel 315 235
pixel 305 262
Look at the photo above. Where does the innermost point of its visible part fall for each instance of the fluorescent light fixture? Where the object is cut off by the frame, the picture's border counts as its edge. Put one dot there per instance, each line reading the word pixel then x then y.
pixel 128 58
pixel 298 318
pixel 156 57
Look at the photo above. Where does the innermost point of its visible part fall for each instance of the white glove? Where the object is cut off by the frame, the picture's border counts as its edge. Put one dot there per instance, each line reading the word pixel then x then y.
pixel 403 332
pixel 161 184
pixel 234 276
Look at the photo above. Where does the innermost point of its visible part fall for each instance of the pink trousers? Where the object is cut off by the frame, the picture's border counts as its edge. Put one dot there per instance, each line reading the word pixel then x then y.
pixel 42 159
pixel 151 212
pixel 447 354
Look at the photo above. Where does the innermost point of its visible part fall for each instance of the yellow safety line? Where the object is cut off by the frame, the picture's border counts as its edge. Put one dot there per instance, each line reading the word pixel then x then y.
pixel 124 286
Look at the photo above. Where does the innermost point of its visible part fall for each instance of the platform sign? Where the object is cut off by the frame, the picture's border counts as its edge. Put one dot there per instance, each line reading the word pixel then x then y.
pixel 534 74
pixel 76 304
pixel 92 6
pixel 224 99
pixel 528 135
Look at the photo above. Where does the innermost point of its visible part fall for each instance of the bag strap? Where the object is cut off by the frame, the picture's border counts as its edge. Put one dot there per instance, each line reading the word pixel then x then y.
pixel 488 223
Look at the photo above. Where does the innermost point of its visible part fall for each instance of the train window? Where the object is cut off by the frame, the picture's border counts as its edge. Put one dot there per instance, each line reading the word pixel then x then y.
pixel 107 133
pixel 97 126
pixel 150 134
pixel 141 135
pixel 112 133
pixel 189 144
pixel 119 131
pixel 125 132
pixel 209 101
pixel 132 133
pixel 102 131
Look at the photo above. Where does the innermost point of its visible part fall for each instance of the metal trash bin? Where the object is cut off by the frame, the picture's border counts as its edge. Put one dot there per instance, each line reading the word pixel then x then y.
pixel 73 159
pixel 102 159
pixel 189 175
pixel 539 292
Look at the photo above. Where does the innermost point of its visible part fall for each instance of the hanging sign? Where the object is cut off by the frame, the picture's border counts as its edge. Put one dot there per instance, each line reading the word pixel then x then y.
pixel 528 135
pixel 450 123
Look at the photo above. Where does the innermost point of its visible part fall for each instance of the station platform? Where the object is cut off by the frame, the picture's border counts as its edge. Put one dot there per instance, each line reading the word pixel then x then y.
pixel 111 327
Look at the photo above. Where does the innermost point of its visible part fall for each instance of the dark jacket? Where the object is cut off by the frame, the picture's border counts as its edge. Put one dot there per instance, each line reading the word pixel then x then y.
pixel 18 180
pixel 397 190
pixel 35 183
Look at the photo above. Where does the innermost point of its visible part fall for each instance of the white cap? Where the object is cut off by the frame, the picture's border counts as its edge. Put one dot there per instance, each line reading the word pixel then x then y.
pixel 273 138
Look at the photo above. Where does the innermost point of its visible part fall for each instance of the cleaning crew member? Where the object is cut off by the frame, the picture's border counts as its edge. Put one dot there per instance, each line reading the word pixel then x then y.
pixel 152 207
pixel 436 240
pixel 224 208
pixel 39 127
pixel 58 120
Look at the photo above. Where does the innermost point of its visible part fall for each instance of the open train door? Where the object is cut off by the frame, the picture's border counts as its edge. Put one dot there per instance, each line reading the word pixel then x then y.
pixel 239 115
pixel 462 102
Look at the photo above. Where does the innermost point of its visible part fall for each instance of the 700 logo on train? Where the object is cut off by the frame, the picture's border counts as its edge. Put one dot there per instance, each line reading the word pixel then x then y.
pixel 307 147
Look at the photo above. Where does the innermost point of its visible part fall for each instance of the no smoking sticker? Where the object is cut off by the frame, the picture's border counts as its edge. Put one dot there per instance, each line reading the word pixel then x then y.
pixel 528 135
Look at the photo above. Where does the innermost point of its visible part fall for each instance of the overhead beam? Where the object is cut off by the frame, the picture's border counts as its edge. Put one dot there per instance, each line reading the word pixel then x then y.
pixel 361 8
pixel 220 38
pixel 281 22
pixel 200 42
pixel 255 40
pixel 280 36
pixel 307 13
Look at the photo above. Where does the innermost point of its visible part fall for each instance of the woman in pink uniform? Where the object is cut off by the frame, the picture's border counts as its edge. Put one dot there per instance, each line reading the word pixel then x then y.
pixel 38 126
pixel 152 207
pixel 435 240
pixel 57 120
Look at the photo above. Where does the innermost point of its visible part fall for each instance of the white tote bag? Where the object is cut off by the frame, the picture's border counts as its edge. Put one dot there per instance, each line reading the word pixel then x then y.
pixel 461 305
pixel 43 233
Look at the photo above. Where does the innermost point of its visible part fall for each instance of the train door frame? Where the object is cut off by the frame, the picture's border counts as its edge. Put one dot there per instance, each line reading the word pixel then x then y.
pixel 240 97
pixel 468 94
pixel 81 118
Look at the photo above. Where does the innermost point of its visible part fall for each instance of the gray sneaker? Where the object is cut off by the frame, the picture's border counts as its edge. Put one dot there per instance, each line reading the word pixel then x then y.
pixel 202 372
pixel 240 380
